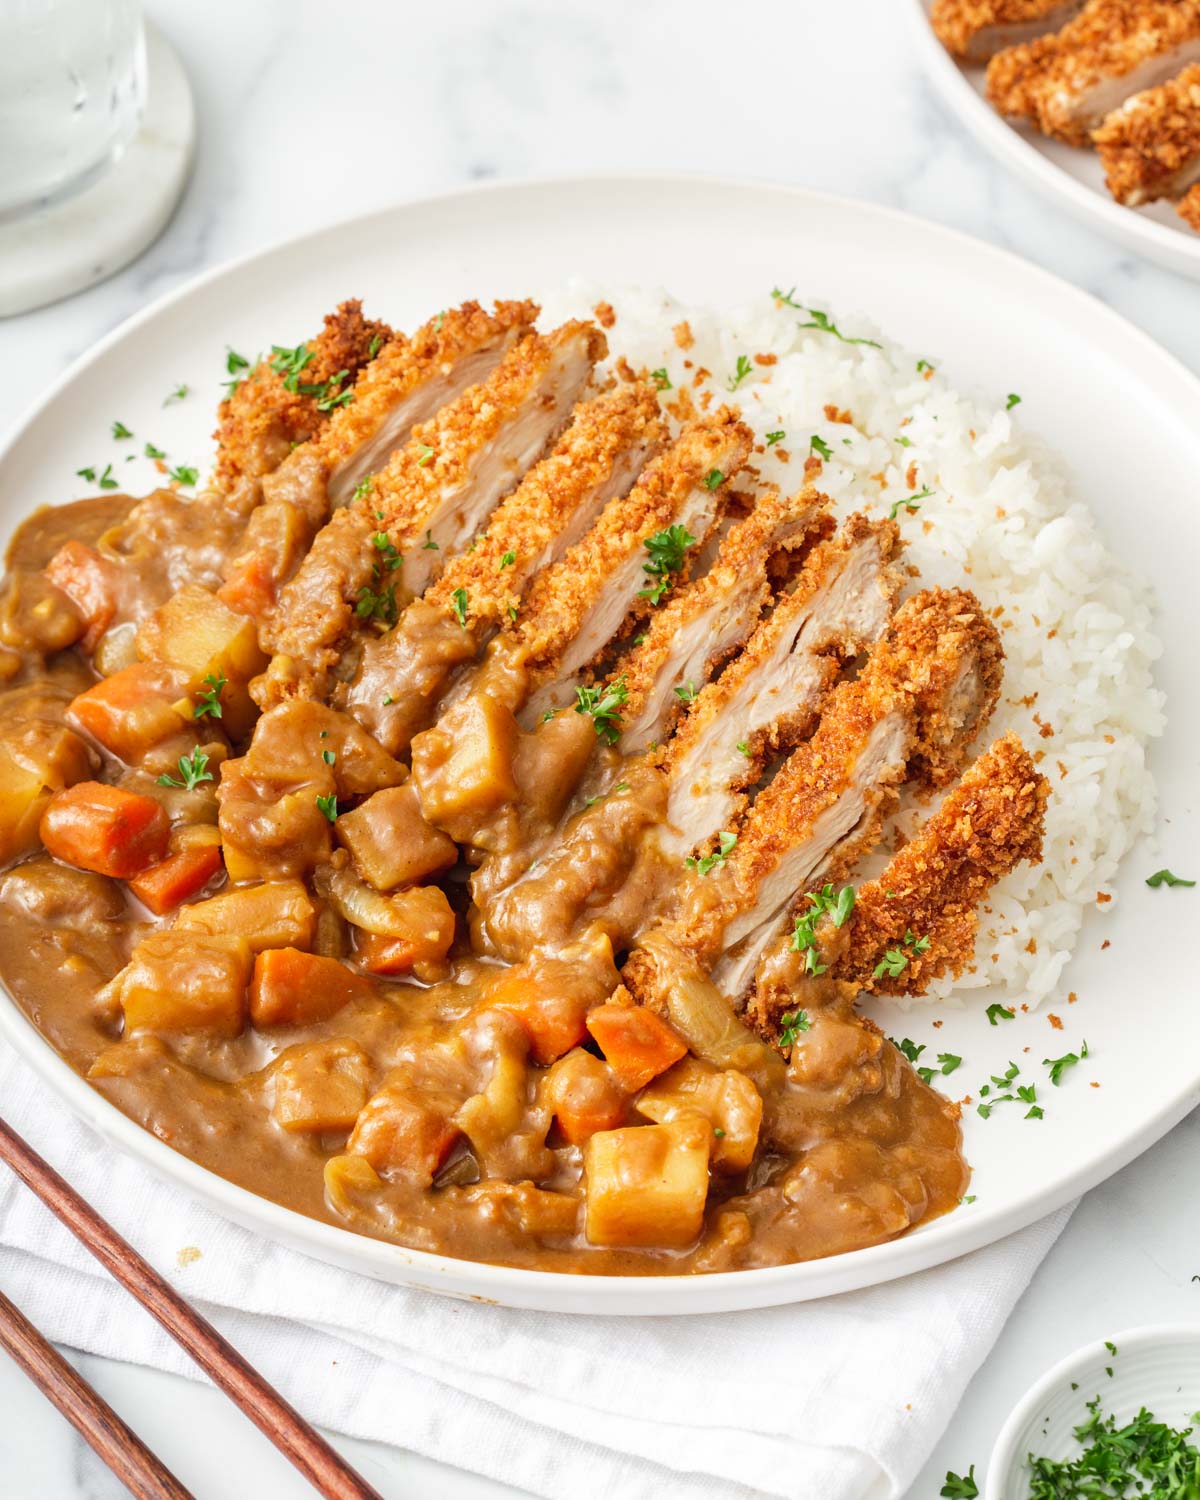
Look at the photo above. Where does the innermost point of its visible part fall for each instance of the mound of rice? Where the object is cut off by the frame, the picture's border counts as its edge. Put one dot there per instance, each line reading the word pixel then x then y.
pixel 993 504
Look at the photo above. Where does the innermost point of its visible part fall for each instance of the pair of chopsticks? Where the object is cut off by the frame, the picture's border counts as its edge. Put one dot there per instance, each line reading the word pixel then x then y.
pixel 143 1474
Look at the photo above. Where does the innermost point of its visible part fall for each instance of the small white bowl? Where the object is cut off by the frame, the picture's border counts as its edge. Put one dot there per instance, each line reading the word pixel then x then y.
pixel 1157 1367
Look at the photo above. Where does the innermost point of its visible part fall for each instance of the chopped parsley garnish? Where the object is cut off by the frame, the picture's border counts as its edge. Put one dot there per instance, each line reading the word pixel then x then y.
pixel 426 455
pixel 786 298
pixel 998 1012
pixel 815 445
pixel 458 603
pixel 177 394
pixel 119 431
pixel 1111 1347
pixel 947 1063
pixel 377 604
pixel 192 769
pixel 235 363
pixel 687 693
pixel 726 842
pixel 184 474
pixel 152 452
pixel 328 393
pixel 329 756
pixel 1143 1456
pixel 429 545
pixel 1013 400
pixel 439 320
pixel 908 1049
pixel 106 480
pixel 1164 877
pixel 713 478
pixel 742 747
pixel 604 704
pixel 506 561
pixel 960 1486
pixel 903 441
pixel 328 806
pixel 911 504
pixel 821 322
pixel 666 549
pixel 377 340
pixel 363 488
pixel 389 558
pixel 923 365
pixel 208 699
pixel 743 369
pixel 1059 1065
pixel 512 611
pixel 896 959
pixel 89 474
pixel 661 379
pixel 825 902
pixel 791 1024
pixel 290 363
pixel 775 437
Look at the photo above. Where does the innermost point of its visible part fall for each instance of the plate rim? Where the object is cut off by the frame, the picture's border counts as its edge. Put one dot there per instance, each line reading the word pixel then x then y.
pixel 941 1241
pixel 1174 248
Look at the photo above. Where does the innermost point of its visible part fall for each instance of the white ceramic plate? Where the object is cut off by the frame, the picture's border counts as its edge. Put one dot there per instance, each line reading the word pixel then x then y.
pixel 1071 177
pixel 1157 1367
pixel 1126 416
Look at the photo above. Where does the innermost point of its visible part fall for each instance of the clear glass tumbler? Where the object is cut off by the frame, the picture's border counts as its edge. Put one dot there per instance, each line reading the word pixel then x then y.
pixel 72 91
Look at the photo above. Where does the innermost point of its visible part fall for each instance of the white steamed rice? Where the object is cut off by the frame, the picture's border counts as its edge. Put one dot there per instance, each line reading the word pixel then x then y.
pixel 1076 625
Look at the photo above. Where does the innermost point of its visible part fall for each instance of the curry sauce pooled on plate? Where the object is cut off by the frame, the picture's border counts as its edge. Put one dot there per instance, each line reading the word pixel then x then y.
pixel 446 825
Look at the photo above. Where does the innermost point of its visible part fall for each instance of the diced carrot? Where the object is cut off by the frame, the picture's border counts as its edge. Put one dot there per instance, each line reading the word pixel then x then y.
pixel 431 918
pixel 98 827
pixel 637 1045
pixel 165 886
pixel 406 1131
pixel 250 585
pixel 133 710
pixel 293 988
pixel 90 582
pixel 584 1096
pixel 552 1014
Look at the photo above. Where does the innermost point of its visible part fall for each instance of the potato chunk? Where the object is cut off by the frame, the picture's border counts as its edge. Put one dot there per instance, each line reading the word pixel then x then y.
pixel 391 842
pixel 584 1096
pixel 191 981
pixel 195 632
pixel 464 767
pixel 276 914
pixel 404 1131
pixel 728 1100
pixel 647 1184
pixel 320 1085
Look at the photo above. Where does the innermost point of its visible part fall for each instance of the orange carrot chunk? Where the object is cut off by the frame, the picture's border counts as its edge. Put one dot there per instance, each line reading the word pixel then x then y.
pixel 165 886
pixel 89 581
pixel 134 709
pixel 553 1017
pixel 98 827
pixel 292 988
pixel 637 1045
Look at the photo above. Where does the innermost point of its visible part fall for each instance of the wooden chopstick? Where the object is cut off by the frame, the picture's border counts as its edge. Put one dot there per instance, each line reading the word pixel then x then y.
pixel 324 1468
pixel 142 1473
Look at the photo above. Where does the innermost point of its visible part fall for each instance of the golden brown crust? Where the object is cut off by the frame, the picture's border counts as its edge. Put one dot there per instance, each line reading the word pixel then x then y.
pixel 962 25
pixel 1149 145
pixel 1189 207
pixel 262 420
pixel 1050 80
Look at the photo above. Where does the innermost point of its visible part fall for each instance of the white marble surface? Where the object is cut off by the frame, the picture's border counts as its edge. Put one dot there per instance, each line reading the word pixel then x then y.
pixel 310 112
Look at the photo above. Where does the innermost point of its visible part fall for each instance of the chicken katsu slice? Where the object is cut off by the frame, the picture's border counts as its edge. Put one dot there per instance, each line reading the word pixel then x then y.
pixel 1150 147
pixel 975 30
pixel 576 607
pixel 767 696
pixel 287 398
pixel 1065 84
pixel 707 619
pixel 402 674
pixel 925 692
pixel 427 503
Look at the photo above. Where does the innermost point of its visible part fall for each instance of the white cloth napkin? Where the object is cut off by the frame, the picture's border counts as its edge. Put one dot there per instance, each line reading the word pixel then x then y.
pixel 835 1400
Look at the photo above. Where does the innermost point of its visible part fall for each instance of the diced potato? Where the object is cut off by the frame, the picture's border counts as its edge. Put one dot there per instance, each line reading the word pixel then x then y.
pixel 530 1210
pixel 23 799
pixel 291 988
pixel 134 710
pixel 198 633
pixel 185 981
pixel 276 914
pixel 422 932
pixel 636 1043
pixel 320 1085
pixel 348 1180
pixel 301 740
pixel 404 1131
pixel 584 1096
pixel 547 765
pixel 728 1100
pixel 647 1184
pixel 51 751
pixel 104 828
pixel 463 768
pixel 391 842
pixel 270 831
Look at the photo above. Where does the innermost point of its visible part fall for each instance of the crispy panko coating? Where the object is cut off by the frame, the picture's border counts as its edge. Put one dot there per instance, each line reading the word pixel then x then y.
pixel 975 30
pixel 701 624
pixel 598 457
pixel 1150 147
pixel 991 822
pixel 1065 84
pixel 767 697
pixel 689 479
pixel 261 420
pixel 1189 207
